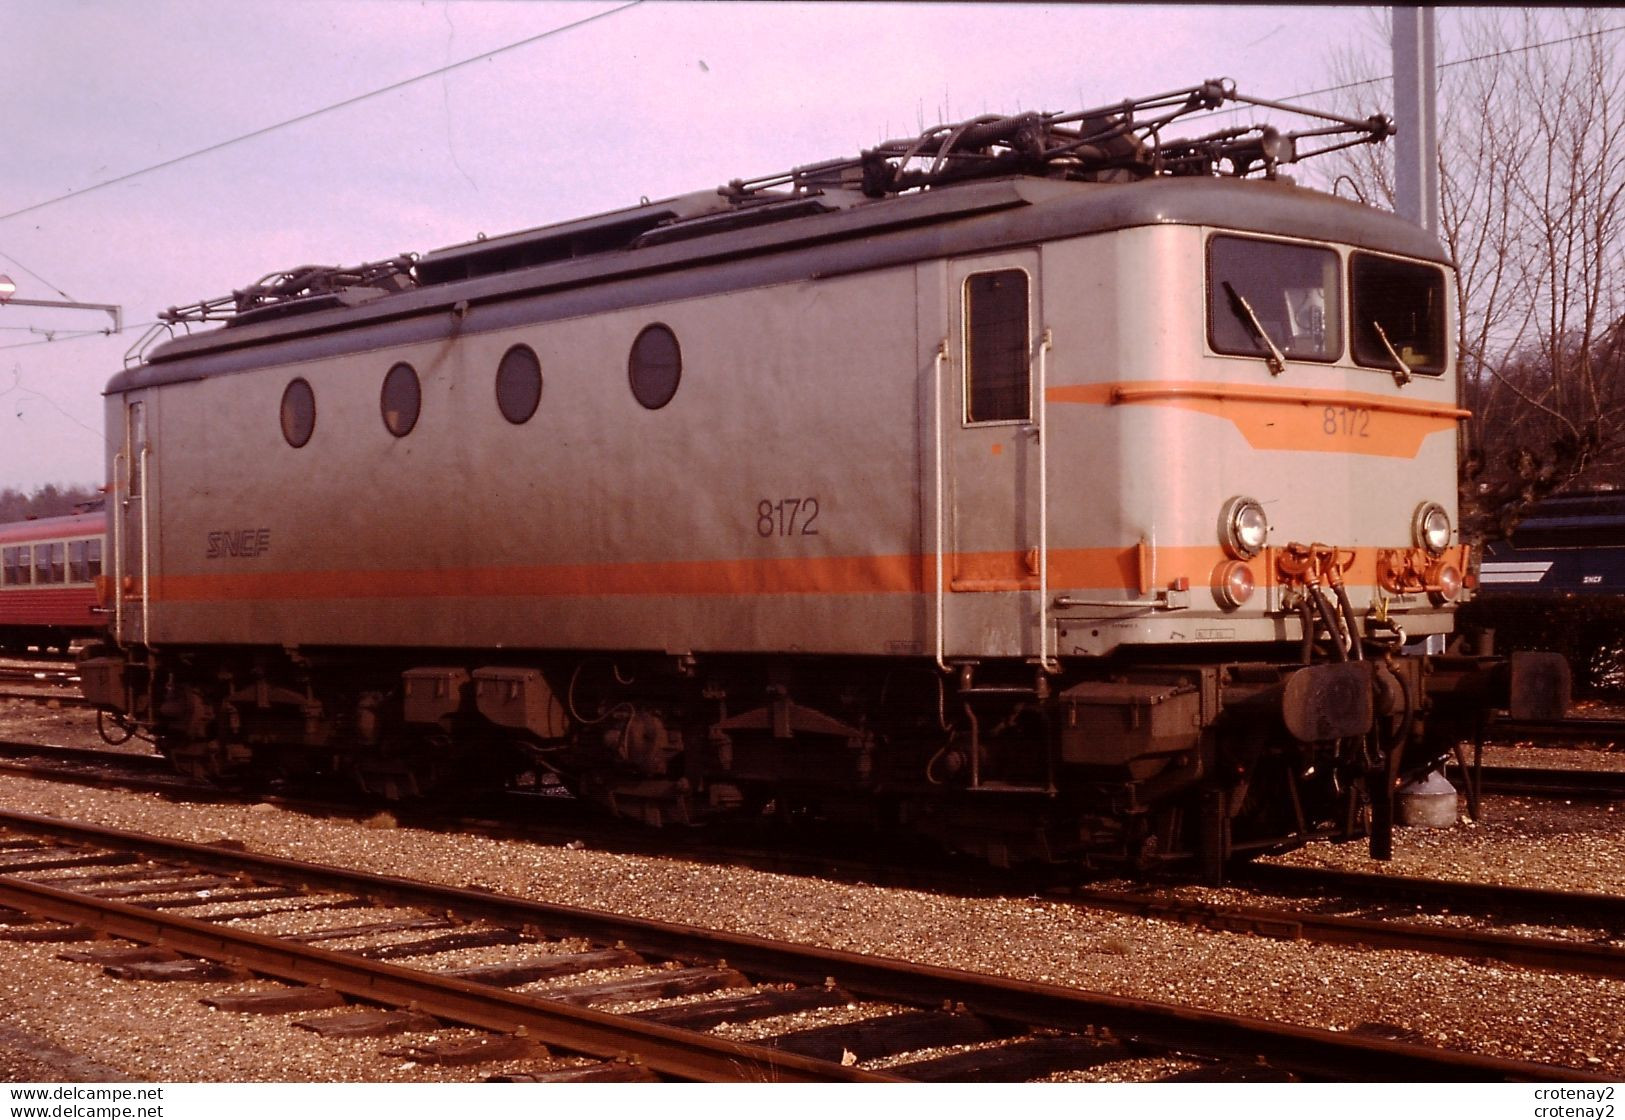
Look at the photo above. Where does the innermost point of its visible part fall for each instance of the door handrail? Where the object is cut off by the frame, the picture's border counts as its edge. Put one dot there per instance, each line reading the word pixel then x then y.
pixel 1049 665
pixel 120 497
pixel 938 361
pixel 146 549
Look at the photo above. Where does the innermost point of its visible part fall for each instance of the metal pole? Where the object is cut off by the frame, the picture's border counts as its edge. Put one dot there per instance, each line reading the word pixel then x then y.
pixel 1416 158
pixel 114 311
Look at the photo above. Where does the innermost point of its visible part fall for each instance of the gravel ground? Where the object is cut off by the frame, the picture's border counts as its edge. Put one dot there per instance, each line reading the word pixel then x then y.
pixel 160 1032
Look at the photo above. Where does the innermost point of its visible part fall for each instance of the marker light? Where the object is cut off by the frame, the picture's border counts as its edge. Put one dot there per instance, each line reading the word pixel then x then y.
pixel 1243 527
pixel 1430 528
pixel 1232 584
pixel 1444 583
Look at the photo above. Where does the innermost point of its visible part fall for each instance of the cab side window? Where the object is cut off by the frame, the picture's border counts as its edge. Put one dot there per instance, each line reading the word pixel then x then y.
pixel 997 347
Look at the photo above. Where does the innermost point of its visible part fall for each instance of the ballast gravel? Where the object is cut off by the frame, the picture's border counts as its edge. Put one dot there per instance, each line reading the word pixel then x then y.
pixel 161 1032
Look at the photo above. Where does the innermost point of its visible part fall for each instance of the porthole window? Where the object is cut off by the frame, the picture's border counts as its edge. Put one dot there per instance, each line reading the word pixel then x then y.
pixel 519 384
pixel 655 366
pixel 401 399
pixel 298 412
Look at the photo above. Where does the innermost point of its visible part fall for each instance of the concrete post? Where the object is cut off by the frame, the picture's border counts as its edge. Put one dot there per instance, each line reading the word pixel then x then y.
pixel 1416 155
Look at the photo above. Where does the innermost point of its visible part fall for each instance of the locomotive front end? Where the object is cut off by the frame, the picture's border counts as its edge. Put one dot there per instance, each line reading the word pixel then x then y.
pixel 1255 563
pixel 1269 428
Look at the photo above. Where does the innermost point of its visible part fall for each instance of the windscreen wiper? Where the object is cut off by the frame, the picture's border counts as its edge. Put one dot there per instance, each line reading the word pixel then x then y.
pixel 1402 375
pixel 1244 311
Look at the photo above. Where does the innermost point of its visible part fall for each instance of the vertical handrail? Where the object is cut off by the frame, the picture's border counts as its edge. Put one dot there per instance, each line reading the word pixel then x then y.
pixel 146 549
pixel 1044 658
pixel 937 441
pixel 119 498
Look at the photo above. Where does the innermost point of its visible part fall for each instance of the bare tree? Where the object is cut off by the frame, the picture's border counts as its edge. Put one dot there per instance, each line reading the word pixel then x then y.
pixel 49 500
pixel 1532 207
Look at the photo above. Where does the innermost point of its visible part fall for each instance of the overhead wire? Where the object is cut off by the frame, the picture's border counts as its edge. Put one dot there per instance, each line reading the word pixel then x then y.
pixel 36 275
pixel 528 41
pixel 1441 66
pixel 314 113
pixel 73 334
pixel 394 86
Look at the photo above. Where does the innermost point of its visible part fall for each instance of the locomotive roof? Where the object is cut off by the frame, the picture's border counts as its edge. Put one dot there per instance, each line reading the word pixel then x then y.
pixel 532 277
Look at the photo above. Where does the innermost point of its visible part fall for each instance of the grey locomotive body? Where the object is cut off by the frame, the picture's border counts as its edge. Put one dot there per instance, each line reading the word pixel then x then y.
pixel 1072 512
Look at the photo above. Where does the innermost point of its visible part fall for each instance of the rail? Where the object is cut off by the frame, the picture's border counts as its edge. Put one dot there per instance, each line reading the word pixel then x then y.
pixel 1307 1050
pixel 677 1053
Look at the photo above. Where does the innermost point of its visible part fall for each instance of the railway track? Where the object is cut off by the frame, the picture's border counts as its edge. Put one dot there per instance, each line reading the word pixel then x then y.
pixel 1537 781
pixel 1297 922
pixel 103 769
pixel 1603 731
pixel 28 679
pixel 137 887
pixel 42 687
pixel 48 676
pixel 1282 921
pixel 1582 908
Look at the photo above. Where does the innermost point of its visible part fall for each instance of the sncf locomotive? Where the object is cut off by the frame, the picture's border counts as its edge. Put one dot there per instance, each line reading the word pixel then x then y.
pixel 1556 582
pixel 1043 484
pixel 1573 544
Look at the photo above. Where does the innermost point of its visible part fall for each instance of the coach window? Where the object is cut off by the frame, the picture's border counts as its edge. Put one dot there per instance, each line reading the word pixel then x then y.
pixel 1398 313
pixel 298 412
pixel 84 560
pixel 1264 294
pixel 50 562
pixel 401 399
pixel 655 366
pixel 519 384
pixel 17 565
pixel 996 347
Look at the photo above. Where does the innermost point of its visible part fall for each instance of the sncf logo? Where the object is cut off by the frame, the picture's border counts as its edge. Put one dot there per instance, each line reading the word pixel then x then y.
pixel 238 542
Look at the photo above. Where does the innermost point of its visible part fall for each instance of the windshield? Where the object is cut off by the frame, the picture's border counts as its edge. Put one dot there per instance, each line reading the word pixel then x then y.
pixel 1398 310
pixel 1289 292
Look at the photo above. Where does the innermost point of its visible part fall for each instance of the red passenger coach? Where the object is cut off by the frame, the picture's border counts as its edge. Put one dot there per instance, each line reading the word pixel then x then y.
pixel 48 573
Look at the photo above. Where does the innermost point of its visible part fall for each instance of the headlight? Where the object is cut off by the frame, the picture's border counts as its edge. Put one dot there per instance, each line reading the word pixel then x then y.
pixel 1430 528
pixel 1243 528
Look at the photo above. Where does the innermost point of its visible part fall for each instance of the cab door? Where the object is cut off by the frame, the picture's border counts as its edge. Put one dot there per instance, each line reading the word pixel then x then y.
pixel 993 459
pixel 131 522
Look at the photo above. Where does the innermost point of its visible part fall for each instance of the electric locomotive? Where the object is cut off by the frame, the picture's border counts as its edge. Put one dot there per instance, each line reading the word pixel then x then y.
pixel 1571 544
pixel 1556 582
pixel 1042 484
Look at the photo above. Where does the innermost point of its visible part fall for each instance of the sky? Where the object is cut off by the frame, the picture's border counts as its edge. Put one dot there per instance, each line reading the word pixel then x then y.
pixel 656 99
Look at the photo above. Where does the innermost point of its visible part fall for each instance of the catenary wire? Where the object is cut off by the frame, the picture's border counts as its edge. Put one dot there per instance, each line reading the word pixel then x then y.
pixel 35 275
pixel 346 103
pixel 616 11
